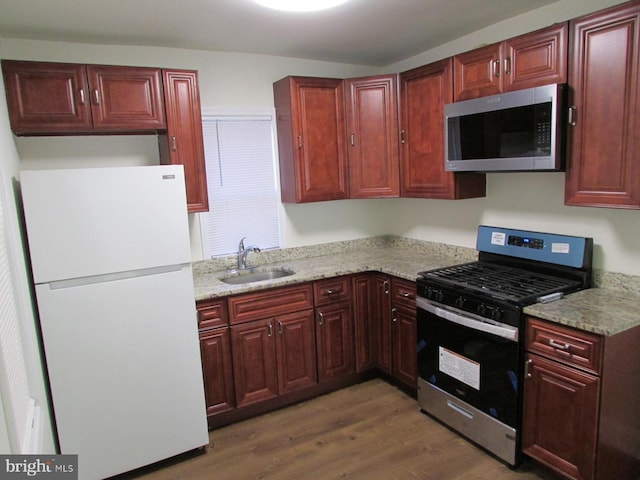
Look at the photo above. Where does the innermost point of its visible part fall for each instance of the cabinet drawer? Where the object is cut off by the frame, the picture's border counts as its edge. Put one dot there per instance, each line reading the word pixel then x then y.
pixel 332 290
pixel 565 344
pixel 212 313
pixel 269 303
pixel 403 292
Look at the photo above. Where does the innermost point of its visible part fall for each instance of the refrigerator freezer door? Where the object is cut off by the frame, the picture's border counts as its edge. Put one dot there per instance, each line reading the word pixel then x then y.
pixel 83 222
pixel 124 368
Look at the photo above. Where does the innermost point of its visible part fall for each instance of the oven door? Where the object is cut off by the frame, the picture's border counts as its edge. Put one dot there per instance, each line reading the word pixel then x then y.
pixel 468 375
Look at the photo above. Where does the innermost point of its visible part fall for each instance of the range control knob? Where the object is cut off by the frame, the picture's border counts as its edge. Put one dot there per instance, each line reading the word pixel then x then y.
pixel 439 297
pixel 497 314
pixel 482 309
pixel 460 302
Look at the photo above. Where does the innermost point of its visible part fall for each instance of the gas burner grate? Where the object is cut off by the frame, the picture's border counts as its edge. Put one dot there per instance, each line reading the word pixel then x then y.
pixel 500 281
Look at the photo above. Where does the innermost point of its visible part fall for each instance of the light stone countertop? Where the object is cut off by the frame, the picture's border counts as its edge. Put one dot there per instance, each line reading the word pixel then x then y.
pixel 598 310
pixel 606 311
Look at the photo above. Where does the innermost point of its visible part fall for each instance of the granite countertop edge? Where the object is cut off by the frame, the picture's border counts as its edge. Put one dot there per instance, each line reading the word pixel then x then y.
pixel 612 307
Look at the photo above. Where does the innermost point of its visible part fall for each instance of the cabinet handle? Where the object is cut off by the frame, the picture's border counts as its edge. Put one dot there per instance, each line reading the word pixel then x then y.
pixel 82 96
pixel 330 291
pixel 280 327
pixel 385 285
pixel 507 66
pixel 559 346
pixel 405 294
pixel 96 96
pixel 270 330
pixel 353 140
pixel 496 68
pixel 402 136
pixel 320 318
pixel 527 373
pixel 299 141
pixel 571 119
pixel 174 143
pixel 393 314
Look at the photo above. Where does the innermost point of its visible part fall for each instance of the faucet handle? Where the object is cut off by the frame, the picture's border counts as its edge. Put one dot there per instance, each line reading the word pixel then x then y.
pixel 241 245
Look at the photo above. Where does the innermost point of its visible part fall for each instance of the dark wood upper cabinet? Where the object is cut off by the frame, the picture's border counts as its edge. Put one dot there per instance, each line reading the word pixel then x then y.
pixel 183 144
pixel 126 98
pixel 603 167
pixel 61 98
pixel 45 97
pixel 372 136
pixel 311 139
pixel 530 60
pixel 423 93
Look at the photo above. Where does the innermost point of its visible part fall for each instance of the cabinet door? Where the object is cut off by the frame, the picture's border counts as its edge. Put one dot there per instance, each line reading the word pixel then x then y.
pixel 560 417
pixel 372 132
pixel 334 338
pixel 535 59
pixel 423 93
pixel 47 97
pixel 183 143
pixel 296 351
pixel 382 312
pixel 405 366
pixel 215 350
pixel 126 98
pixel 311 139
pixel 478 73
pixel 254 362
pixel 603 165
pixel 364 321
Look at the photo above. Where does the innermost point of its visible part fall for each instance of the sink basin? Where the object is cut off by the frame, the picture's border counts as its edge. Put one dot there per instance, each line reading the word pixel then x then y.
pixel 237 277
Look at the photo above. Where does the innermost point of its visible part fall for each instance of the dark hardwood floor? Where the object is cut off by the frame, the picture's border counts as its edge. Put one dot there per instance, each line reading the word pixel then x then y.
pixel 367 431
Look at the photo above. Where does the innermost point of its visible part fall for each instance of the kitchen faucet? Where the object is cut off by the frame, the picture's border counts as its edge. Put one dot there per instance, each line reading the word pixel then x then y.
pixel 243 252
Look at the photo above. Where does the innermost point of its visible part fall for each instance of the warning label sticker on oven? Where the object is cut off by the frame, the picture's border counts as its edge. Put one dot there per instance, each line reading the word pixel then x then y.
pixel 498 238
pixel 460 368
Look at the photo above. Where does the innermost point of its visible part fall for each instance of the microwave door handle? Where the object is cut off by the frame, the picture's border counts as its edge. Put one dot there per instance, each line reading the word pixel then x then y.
pixel 504 331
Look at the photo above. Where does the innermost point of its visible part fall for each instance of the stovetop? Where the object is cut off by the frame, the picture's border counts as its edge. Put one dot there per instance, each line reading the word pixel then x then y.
pixel 500 282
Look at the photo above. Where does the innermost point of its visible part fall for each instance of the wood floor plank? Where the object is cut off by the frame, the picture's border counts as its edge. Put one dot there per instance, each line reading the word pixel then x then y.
pixel 368 431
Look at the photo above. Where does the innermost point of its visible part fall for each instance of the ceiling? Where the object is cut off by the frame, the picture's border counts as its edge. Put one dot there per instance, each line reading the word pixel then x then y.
pixel 366 32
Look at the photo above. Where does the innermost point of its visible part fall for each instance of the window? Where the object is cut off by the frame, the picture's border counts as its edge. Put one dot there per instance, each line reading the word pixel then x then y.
pixel 241 181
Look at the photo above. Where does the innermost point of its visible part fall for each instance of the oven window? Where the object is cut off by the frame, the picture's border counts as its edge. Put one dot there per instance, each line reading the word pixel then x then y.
pixel 478 368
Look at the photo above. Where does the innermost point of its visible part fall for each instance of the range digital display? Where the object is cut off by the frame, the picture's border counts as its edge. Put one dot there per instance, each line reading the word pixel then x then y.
pixel 526 242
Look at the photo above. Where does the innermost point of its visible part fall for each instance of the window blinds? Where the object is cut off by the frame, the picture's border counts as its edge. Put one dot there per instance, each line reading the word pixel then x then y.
pixel 243 198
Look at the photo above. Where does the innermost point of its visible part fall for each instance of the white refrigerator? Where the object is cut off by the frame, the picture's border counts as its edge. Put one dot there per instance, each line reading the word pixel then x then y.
pixel 110 255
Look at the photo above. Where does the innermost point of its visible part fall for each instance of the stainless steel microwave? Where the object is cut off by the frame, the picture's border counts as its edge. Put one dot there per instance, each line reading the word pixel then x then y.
pixel 516 131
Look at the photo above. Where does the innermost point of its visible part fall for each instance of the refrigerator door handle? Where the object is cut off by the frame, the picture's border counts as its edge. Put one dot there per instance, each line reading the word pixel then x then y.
pixel 113 277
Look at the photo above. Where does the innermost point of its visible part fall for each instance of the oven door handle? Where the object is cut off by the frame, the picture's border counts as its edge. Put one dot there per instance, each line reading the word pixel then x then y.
pixel 501 330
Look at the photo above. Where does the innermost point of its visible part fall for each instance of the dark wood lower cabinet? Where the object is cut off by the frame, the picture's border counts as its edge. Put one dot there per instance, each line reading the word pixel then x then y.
pixel 273 356
pixel 334 339
pixel 580 415
pixel 271 348
pixel 215 350
pixel 562 437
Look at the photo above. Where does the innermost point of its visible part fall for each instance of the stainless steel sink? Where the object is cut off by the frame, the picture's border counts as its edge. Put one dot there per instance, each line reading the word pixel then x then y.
pixel 236 277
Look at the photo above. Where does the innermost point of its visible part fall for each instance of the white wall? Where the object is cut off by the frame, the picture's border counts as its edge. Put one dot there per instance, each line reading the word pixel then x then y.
pixel 25 322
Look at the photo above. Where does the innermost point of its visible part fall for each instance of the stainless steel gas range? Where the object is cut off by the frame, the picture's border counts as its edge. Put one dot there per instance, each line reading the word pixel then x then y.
pixel 470 329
